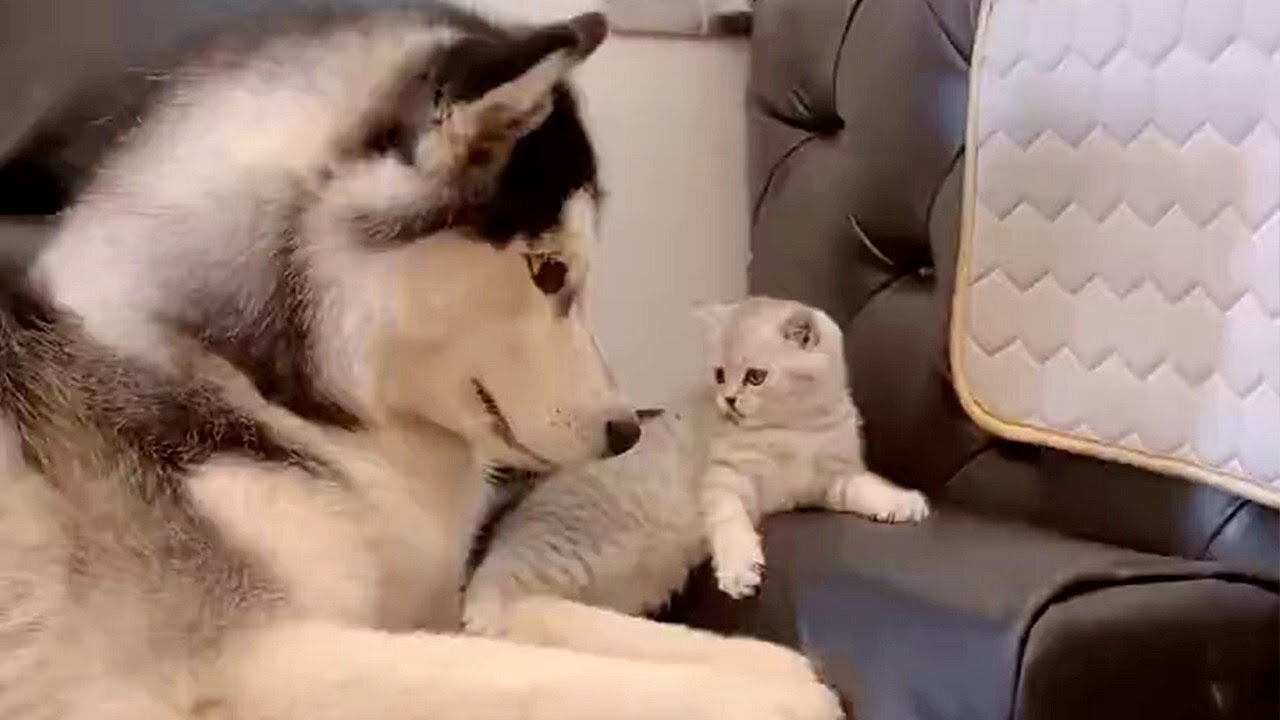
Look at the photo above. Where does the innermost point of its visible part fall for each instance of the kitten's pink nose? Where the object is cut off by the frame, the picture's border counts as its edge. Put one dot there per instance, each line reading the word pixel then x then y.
pixel 732 402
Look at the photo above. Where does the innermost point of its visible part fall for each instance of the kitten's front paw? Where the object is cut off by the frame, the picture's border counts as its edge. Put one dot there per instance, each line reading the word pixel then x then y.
pixel 739 570
pixel 908 506
pixel 874 497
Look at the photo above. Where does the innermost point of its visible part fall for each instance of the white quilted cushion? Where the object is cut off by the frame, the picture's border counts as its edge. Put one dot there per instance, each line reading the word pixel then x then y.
pixel 1119 284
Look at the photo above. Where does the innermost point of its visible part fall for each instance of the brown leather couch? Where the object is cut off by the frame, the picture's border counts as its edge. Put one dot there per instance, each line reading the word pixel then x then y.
pixel 1047 585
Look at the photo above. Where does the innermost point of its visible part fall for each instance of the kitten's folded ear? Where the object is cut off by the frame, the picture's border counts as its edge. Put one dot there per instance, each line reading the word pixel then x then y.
pixel 801 329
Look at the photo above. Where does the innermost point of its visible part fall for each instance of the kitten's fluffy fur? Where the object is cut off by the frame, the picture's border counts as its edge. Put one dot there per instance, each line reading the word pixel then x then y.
pixel 774 430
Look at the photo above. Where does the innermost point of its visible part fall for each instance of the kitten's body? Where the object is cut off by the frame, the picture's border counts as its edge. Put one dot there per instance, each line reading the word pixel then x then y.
pixel 624 533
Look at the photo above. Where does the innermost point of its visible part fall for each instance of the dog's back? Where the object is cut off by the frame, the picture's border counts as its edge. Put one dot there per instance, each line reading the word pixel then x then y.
pixel 109 583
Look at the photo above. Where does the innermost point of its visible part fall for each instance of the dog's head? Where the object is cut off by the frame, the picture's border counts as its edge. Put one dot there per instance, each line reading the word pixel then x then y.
pixel 386 220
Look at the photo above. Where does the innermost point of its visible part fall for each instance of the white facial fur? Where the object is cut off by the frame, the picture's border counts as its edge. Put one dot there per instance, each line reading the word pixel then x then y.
pixel 773 362
pixel 467 312
pixel 401 329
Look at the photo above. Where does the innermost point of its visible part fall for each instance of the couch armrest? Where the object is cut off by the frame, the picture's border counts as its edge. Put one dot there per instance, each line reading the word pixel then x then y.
pixel 964 617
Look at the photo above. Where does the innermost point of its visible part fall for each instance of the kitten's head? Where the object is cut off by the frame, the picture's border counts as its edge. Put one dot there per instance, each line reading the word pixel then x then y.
pixel 773 362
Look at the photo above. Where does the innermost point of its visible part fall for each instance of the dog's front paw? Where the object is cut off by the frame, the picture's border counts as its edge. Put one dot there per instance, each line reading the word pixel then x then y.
pixel 739 569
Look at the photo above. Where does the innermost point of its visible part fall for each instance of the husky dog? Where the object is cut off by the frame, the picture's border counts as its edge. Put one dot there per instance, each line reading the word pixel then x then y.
pixel 245 394
pixel 774 428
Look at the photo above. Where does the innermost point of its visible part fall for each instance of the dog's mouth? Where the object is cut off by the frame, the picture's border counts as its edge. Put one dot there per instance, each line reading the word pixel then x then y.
pixel 501 427
pixel 647 414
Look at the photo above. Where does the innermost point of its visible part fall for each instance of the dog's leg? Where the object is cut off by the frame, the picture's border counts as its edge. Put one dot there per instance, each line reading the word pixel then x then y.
pixel 323 672
pixel 561 623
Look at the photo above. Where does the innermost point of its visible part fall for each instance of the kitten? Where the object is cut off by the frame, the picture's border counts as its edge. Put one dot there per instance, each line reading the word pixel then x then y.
pixel 774 430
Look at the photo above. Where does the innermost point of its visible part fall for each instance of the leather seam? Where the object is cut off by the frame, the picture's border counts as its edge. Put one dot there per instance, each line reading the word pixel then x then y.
pixel 946 33
pixel 865 241
pixel 872 294
pixel 773 172
pixel 983 448
pixel 880 289
pixel 836 61
pixel 1231 514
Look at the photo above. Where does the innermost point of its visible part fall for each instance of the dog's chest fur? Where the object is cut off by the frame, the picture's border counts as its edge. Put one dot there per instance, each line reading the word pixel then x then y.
pixel 381 546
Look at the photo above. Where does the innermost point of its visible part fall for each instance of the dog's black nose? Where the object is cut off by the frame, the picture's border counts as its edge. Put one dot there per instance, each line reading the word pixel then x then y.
pixel 620 436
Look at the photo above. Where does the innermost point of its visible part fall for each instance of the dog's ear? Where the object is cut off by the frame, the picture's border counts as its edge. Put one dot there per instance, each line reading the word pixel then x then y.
pixel 492 92
pixel 530 61
pixel 478 118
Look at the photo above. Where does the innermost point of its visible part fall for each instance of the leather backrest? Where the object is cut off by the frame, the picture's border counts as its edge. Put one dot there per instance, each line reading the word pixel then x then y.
pixel 857 112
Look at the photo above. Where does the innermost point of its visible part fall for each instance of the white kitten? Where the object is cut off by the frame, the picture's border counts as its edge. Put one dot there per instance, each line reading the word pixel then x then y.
pixel 776 430
pixel 788 433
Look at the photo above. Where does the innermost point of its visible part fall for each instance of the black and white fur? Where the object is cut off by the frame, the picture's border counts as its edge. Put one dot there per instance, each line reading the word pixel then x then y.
pixel 247 395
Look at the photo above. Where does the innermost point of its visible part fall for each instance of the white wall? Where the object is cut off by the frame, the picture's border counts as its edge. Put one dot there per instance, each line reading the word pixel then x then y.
pixel 669 126
pixel 670 130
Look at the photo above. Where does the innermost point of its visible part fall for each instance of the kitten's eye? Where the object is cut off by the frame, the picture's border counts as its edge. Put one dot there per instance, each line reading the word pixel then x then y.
pixel 755 376
pixel 549 274
pixel 719 376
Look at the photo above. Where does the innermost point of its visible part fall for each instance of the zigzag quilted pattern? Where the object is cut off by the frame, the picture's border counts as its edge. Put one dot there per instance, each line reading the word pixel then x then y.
pixel 1121 282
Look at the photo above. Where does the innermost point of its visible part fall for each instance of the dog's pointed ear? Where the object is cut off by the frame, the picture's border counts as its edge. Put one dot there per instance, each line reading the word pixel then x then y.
pixel 503 88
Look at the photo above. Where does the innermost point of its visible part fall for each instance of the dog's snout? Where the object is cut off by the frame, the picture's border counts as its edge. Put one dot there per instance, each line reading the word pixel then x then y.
pixel 621 435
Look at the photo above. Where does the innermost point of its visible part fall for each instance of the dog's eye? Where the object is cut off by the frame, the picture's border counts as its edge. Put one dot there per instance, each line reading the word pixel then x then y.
pixel 549 274
pixel 719 374
pixel 755 376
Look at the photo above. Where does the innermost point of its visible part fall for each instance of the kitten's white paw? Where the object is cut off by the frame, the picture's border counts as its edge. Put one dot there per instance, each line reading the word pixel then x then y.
pixel 739 569
pixel 908 506
pixel 872 496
